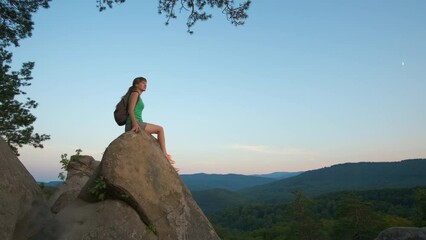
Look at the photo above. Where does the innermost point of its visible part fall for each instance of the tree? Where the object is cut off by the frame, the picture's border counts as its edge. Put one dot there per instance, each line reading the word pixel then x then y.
pixel 356 219
pixel 304 224
pixel 15 117
pixel 236 15
pixel 16 19
pixel 420 196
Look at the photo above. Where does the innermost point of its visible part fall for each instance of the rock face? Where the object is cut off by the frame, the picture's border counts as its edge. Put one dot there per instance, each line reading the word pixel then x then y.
pixel 403 233
pixel 81 168
pixel 144 198
pixel 106 220
pixel 134 166
pixel 23 209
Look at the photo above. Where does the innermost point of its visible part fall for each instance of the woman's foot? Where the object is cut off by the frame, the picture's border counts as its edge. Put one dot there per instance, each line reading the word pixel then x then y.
pixel 169 158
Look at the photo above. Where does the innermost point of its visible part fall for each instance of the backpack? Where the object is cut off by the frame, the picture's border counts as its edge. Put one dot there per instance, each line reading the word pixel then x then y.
pixel 120 113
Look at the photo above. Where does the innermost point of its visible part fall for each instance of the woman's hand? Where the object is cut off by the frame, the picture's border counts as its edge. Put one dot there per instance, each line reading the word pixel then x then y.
pixel 135 127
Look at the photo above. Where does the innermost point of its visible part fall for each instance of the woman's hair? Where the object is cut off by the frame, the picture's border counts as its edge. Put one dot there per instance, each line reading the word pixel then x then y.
pixel 135 81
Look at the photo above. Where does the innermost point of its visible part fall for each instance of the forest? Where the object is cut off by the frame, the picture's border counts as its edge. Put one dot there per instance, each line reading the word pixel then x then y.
pixel 340 215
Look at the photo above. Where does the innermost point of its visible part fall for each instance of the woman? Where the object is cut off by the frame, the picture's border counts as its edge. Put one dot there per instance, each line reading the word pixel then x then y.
pixel 135 122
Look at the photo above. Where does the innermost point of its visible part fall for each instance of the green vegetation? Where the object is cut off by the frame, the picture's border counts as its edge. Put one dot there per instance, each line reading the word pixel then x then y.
pixel 420 198
pixel 196 9
pixel 214 200
pixel 232 182
pixel 16 120
pixel 152 228
pixel 47 190
pixel 345 215
pixel 99 189
pixel 125 196
pixel 65 162
pixel 342 177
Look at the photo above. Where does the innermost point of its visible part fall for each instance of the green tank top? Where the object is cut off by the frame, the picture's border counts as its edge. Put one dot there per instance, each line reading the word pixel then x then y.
pixel 138 110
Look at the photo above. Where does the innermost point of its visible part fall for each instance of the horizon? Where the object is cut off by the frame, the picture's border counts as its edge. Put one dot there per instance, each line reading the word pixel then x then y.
pixel 302 85
pixel 58 180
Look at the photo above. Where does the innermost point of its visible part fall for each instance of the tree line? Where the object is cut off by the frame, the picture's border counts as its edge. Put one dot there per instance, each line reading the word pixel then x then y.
pixel 343 215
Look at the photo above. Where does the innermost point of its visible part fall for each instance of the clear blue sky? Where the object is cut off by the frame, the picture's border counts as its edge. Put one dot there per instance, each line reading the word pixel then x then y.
pixel 304 84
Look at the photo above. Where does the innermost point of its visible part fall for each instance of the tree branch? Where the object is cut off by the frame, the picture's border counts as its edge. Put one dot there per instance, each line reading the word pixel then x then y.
pixel 236 15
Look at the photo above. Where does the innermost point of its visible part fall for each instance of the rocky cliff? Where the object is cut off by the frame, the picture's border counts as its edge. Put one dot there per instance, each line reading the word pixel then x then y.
pixel 23 210
pixel 134 193
pixel 403 233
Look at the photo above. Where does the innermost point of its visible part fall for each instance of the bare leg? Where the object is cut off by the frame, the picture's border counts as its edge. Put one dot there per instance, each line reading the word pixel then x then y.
pixel 155 129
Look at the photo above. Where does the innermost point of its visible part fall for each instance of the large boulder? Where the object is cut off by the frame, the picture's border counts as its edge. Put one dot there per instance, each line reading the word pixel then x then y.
pixel 145 198
pixel 80 169
pixel 135 170
pixel 403 233
pixel 23 209
pixel 106 220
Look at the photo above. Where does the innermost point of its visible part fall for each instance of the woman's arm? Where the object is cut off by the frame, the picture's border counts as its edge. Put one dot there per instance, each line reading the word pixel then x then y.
pixel 131 109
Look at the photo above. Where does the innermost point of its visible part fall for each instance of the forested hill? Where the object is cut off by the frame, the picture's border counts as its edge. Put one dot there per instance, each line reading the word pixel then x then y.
pixel 348 176
pixel 232 182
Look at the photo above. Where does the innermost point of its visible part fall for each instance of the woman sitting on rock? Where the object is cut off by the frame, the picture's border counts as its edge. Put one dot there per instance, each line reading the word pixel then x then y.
pixel 135 122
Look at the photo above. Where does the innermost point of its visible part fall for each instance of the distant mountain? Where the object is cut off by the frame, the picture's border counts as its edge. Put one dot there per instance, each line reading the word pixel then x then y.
pixel 214 200
pixel 348 176
pixel 279 175
pixel 53 184
pixel 232 182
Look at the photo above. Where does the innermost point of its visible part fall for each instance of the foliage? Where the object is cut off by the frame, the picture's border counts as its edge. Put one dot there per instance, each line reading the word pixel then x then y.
pixel 340 215
pixel 78 151
pixel 255 217
pixel 214 200
pixel 232 182
pixel 47 191
pixel 65 162
pixel 15 117
pixel 16 17
pixel 99 189
pixel 196 8
pixel 420 197
pixel 62 176
pixel 304 223
pixel 395 202
pixel 152 228
pixel 356 219
pixel 393 178
pixel 351 176
pixel 125 196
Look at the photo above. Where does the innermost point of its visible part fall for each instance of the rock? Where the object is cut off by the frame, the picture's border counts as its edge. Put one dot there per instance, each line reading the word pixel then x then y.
pixel 85 193
pixel 106 220
pixel 134 166
pixel 81 168
pixel 23 209
pixel 146 199
pixel 403 233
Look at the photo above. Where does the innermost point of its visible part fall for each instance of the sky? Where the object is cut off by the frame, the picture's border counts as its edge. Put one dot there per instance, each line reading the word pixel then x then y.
pixel 304 84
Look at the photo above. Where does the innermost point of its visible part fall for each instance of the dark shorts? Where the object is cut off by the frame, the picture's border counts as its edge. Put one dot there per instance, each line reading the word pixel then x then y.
pixel 142 126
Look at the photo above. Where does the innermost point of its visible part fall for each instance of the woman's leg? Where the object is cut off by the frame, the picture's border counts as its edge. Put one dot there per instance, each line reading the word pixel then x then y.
pixel 151 129
pixel 155 129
